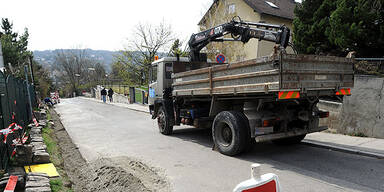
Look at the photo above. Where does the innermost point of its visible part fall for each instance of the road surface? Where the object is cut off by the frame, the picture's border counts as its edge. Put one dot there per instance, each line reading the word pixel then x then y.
pixel 187 159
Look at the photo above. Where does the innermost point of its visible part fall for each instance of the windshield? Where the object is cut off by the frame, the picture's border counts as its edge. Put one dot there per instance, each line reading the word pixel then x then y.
pixel 153 73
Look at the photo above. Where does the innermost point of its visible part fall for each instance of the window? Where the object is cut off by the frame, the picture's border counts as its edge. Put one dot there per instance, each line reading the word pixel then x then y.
pixel 231 8
pixel 153 73
pixel 272 4
pixel 168 70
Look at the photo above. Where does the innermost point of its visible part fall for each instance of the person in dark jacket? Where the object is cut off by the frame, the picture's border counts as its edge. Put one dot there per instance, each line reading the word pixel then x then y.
pixel 48 101
pixel 110 94
pixel 103 93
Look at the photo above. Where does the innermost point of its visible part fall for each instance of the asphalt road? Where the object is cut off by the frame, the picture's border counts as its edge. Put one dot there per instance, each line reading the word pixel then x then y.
pixel 187 159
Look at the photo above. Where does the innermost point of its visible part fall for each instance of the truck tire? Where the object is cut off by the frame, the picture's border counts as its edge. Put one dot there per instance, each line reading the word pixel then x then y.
pixel 290 140
pixel 231 132
pixel 163 122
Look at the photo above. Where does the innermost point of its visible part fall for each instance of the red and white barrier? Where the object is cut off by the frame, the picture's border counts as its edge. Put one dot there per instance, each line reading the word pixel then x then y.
pixel 259 183
pixel 9 130
pixel 11 184
pixel 35 122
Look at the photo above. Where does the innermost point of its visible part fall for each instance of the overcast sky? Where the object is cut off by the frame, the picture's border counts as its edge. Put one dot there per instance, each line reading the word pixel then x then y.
pixel 97 24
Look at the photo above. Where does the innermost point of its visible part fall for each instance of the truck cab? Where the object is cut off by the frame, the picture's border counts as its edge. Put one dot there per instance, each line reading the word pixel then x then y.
pixel 161 81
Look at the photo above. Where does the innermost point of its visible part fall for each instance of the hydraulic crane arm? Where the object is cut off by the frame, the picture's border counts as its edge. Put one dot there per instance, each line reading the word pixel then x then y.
pixel 240 31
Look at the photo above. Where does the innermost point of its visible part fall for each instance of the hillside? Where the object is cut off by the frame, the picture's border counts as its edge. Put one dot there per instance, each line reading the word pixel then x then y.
pixel 47 57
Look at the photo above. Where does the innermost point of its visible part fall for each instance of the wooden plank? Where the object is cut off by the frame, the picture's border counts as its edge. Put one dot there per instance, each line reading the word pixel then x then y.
pixel 247 75
pixel 11 185
pixel 257 61
pixel 206 80
pixel 317 72
pixel 228 89
pixel 210 80
pixel 261 85
pixel 316 58
pixel 189 73
pixel 227 77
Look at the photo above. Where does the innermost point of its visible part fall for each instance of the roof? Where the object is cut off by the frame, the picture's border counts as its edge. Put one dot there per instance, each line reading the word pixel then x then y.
pixel 285 8
pixel 170 59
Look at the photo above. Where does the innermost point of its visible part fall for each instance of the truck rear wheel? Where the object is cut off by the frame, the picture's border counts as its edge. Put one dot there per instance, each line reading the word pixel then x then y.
pixel 290 140
pixel 163 122
pixel 231 132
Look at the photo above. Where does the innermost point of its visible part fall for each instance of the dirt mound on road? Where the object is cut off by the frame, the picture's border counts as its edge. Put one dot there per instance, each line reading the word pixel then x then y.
pixel 106 174
pixel 123 174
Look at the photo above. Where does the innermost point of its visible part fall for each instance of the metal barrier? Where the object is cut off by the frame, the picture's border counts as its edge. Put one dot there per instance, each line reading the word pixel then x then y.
pixel 141 96
pixel 15 114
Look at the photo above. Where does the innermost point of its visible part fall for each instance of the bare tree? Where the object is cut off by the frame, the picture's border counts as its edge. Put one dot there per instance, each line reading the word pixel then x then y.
pixel 76 68
pixel 146 41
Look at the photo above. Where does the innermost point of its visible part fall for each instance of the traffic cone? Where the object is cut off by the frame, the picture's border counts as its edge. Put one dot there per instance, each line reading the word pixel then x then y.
pixel 259 183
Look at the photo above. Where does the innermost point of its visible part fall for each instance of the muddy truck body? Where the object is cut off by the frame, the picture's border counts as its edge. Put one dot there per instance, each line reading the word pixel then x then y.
pixel 270 98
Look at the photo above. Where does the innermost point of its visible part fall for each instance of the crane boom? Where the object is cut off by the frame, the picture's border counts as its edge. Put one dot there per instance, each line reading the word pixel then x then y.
pixel 240 31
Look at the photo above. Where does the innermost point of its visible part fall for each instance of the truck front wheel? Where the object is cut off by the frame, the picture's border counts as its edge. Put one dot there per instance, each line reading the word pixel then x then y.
pixel 231 132
pixel 163 122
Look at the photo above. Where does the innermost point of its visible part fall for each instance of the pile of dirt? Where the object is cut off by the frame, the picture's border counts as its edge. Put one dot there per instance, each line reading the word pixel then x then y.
pixel 123 174
pixel 107 174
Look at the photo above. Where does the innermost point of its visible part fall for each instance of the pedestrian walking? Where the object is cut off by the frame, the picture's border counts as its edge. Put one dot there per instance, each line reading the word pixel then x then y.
pixel 110 95
pixel 103 93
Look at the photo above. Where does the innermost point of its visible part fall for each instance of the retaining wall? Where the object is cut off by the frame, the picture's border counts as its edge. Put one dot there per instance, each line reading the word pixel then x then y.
pixel 118 98
pixel 362 113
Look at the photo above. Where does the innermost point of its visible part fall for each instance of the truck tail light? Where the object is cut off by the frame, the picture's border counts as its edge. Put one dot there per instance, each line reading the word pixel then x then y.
pixel 344 92
pixel 266 123
pixel 270 122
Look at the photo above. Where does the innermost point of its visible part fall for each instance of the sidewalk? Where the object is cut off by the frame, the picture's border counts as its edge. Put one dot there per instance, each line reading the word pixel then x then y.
pixel 366 146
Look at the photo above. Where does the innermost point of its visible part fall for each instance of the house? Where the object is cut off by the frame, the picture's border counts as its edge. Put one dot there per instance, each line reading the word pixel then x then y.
pixel 269 11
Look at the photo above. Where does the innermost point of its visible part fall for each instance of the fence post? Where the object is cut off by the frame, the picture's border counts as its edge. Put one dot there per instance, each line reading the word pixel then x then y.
pixel 29 94
pixel 143 97
pixel 132 98
pixel 2 67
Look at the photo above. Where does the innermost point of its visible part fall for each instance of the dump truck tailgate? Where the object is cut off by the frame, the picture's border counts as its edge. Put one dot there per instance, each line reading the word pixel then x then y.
pixel 312 72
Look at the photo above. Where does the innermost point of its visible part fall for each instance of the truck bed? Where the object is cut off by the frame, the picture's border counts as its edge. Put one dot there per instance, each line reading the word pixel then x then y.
pixel 308 74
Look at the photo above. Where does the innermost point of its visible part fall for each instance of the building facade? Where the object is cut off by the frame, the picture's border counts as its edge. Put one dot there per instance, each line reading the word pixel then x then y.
pixel 222 11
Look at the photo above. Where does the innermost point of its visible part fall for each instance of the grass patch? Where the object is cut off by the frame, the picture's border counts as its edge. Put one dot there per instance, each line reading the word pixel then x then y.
pixel 56 185
pixel 359 134
pixel 48 134
pixel 138 96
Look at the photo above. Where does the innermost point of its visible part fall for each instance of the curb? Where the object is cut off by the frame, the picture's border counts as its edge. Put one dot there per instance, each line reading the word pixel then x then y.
pixel 127 107
pixel 342 149
pixel 133 109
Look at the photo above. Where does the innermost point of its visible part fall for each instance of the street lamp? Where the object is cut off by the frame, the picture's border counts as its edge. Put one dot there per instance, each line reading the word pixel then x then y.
pixel 91 69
